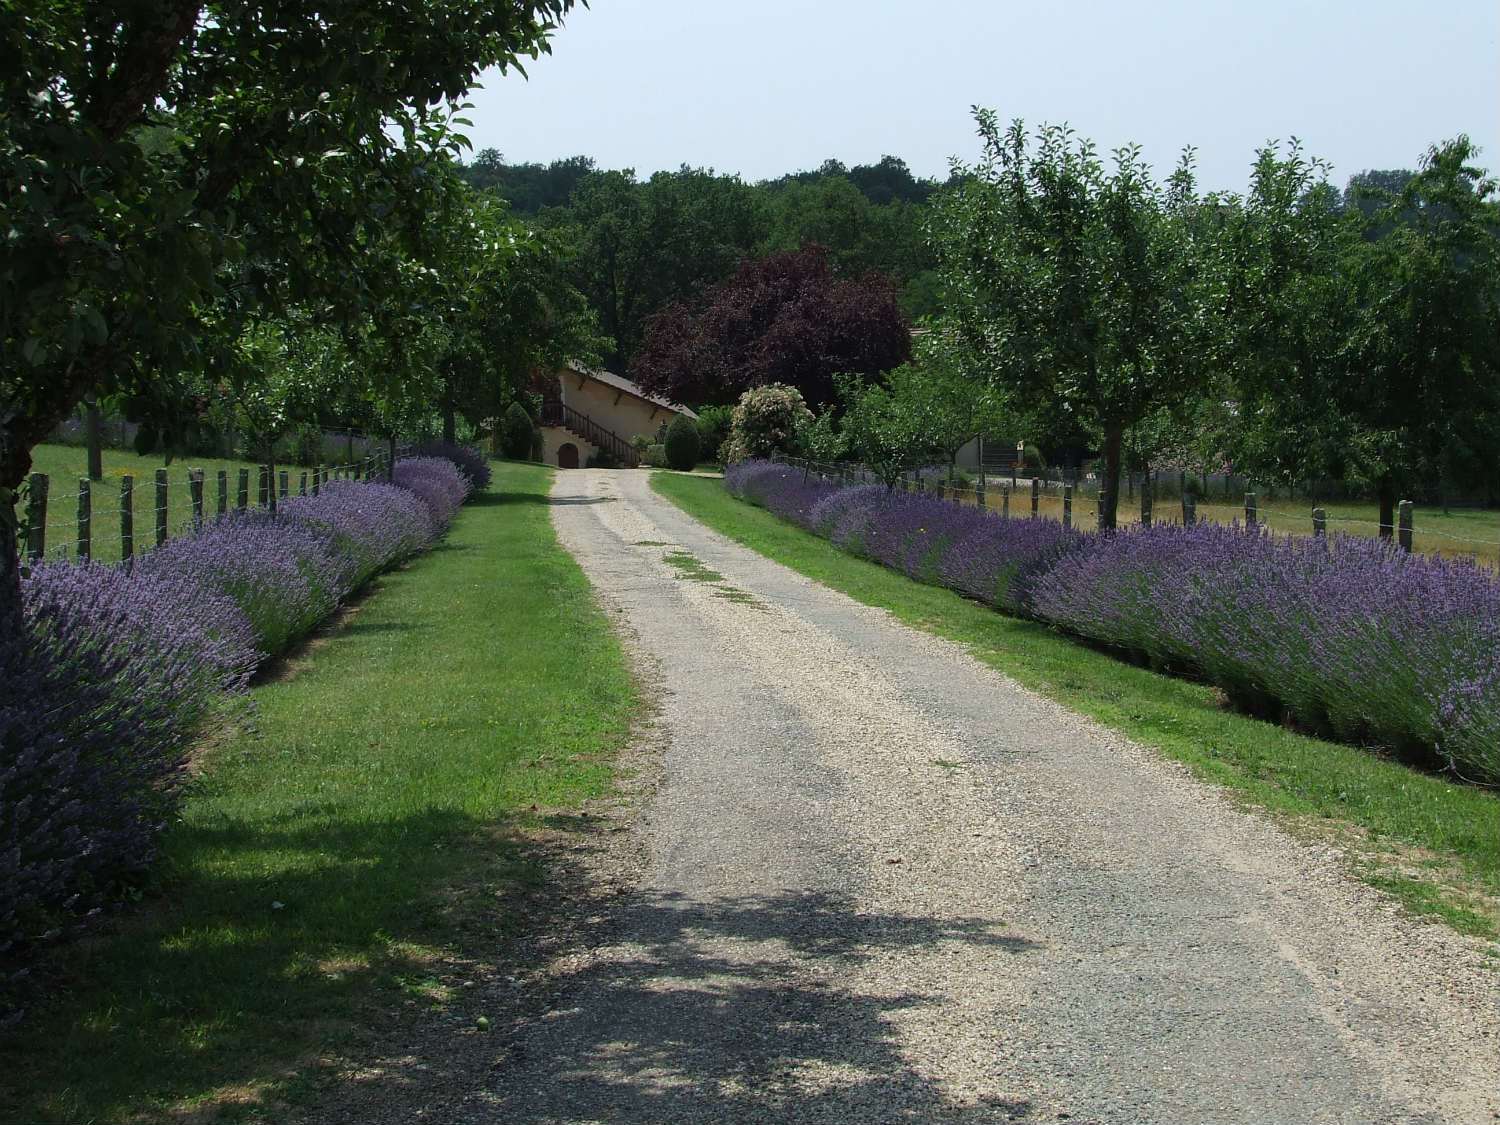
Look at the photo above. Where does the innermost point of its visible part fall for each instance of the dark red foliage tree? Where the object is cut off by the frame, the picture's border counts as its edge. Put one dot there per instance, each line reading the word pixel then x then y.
pixel 787 318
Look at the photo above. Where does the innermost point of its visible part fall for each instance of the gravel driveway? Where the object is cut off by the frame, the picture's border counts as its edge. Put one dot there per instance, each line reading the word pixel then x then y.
pixel 885 883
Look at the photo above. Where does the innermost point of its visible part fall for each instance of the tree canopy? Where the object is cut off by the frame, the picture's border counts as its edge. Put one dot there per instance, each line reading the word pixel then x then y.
pixel 788 318
pixel 1072 284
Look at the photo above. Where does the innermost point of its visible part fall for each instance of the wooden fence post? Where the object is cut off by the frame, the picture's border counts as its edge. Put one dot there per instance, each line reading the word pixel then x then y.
pixel 1036 497
pixel 85 518
pixel 1067 506
pixel 1403 524
pixel 921 483
pixel 1005 501
pixel 979 495
pixel 1320 522
pixel 36 516
pixel 1099 501
pixel 127 518
pixel 1189 510
pixel 223 478
pixel 265 485
pixel 195 492
pixel 1148 499
pixel 242 491
pixel 317 472
pixel 284 483
pixel 161 506
pixel 1251 511
pixel 302 485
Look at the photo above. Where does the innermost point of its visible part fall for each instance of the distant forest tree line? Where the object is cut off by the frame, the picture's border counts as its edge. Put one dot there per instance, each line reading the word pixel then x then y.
pixel 642 245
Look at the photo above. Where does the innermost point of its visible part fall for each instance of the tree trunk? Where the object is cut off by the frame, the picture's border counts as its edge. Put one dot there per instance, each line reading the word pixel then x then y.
pixel 95 440
pixel 450 424
pixel 10 566
pixel 1109 487
pixel 1387 494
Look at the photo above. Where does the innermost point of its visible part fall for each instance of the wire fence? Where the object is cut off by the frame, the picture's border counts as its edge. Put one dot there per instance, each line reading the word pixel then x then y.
pixel 1077 504
pixel 78 519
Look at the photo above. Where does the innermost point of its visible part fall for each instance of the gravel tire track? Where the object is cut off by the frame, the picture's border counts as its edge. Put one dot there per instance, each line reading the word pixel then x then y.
pixel 886 883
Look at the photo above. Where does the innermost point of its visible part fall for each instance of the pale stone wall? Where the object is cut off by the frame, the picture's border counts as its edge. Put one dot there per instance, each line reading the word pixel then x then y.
pixel 617 411
pixel 553 438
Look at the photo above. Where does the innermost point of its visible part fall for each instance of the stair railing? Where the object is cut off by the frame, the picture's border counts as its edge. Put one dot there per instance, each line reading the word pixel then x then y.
pixel 561 414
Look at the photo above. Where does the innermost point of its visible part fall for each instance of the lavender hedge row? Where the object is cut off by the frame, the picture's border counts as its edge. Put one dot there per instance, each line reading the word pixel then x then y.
pixel 112 675
pixel 1349 637
pixel 471 460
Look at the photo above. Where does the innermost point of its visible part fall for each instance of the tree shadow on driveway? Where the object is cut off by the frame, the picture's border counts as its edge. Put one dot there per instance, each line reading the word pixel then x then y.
pixel 735 1009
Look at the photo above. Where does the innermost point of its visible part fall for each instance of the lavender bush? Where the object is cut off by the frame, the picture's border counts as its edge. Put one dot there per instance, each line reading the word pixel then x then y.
pixel 373 524
pixel 104 685
pixel 112 674
pixel 284 573
pixel 438 483
pixel 1348 636
pixel 471 460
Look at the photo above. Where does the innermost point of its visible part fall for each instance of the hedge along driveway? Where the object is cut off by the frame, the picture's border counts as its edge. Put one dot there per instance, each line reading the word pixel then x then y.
pixel 1432 843
pixel 329 859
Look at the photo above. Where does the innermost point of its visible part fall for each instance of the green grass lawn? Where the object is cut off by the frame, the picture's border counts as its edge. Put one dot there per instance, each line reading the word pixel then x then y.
pixel 1433 843
pixel 64 465
pixel 374 822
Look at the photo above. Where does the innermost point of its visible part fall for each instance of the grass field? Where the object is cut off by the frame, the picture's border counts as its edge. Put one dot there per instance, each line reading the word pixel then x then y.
pixel 64 465
pixel 1432 843
pixel 373 823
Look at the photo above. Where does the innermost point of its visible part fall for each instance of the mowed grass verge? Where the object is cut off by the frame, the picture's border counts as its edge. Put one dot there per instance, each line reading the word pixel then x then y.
pixel 373 823
pixel 1432 843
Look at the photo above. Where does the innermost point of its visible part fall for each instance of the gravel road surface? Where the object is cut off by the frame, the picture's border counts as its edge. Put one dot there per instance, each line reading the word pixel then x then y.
pixel 885 883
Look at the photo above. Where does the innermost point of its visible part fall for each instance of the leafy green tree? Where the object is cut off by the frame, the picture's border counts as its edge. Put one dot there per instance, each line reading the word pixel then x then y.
pixel 641 246
pixel 528 188
pixel 1076 286
pixel 177 157
pixel 1424 388
pixel 880 431
pixel 507 307
pixel 682 444
pixel 516 432
pixel 1283 320
pixel 713 429
pixel 820 439
pixel 947 404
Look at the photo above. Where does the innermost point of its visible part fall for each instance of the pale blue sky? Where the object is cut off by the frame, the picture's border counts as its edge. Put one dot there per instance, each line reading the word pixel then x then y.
pixel 762 87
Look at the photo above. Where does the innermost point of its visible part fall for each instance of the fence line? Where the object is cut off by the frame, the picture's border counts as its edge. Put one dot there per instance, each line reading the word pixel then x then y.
pixel 41 527
pixel 984 494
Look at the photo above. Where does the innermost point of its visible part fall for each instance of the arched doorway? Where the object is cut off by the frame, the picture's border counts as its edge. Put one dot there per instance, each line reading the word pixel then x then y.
pixel 567 456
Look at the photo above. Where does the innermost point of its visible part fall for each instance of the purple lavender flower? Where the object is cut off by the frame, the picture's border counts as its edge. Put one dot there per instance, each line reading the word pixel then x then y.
pixel 374 524
pixel 438 483
pixel 105 683
pixel 284 573
pixel 1349 636
pixel 470 459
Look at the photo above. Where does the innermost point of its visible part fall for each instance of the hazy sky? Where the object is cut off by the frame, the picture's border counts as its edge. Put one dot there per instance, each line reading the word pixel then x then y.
pixel 762 87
